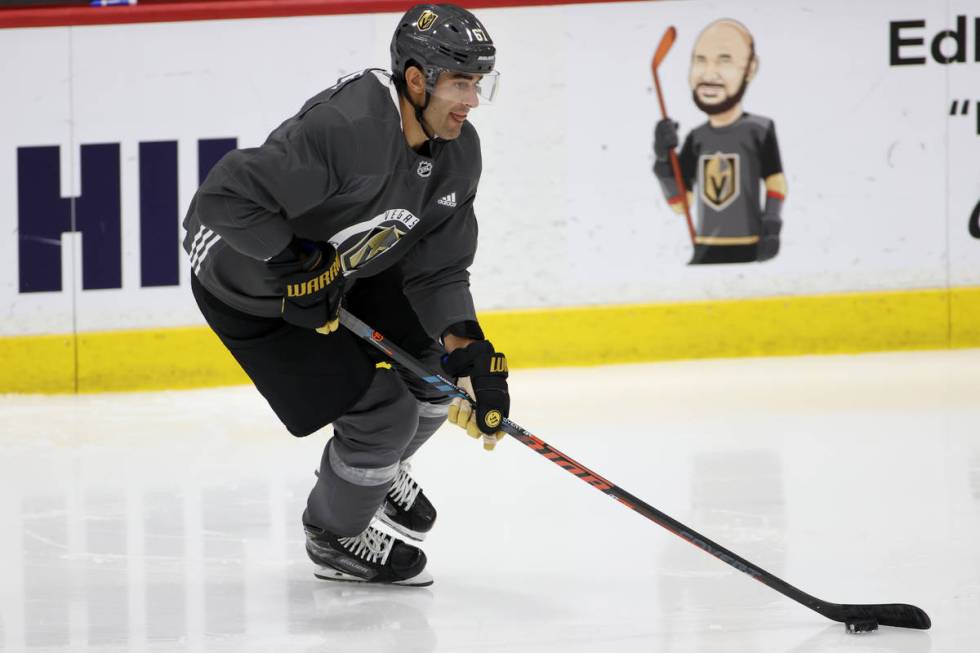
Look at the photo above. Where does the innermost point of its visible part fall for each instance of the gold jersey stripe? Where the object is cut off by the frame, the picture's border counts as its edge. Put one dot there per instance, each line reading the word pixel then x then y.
pixel 776 184
pixel 726 240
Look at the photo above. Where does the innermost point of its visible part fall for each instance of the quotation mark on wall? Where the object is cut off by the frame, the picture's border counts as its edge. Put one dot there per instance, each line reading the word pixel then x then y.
pixel 962 108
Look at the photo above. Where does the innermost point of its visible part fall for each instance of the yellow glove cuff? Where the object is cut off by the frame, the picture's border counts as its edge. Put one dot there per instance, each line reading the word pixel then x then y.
pixel 329 327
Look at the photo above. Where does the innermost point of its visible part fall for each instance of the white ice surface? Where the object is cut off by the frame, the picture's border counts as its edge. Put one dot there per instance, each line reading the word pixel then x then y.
pixel 170 521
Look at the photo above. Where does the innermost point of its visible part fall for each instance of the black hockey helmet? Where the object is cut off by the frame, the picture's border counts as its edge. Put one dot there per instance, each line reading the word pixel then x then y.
pixel 440 38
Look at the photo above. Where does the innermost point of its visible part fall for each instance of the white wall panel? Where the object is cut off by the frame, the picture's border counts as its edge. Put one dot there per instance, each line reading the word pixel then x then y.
pixel 35 112
pixel 189 81
pixel 570 212
pixel 963 137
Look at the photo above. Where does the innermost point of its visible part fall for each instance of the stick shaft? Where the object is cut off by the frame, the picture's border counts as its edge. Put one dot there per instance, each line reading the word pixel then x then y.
pixel 903 615
pixel 575 468
pixel 675 165
pixel 666 41
pixel 660 94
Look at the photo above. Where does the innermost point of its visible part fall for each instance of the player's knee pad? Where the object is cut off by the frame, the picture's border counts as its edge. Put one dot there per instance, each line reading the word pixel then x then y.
pixel 374 434
pixel 364 471
pixel 433 409
pixel 431 417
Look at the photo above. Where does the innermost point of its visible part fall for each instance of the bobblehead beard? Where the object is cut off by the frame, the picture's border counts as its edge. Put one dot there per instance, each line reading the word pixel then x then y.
pixel 727 103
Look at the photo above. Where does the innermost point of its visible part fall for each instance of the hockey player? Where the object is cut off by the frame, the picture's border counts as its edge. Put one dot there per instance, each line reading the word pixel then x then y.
pixel 363 197
pixel 725 158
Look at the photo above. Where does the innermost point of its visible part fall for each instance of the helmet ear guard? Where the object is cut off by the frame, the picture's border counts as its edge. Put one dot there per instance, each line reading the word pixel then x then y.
pixel 401 83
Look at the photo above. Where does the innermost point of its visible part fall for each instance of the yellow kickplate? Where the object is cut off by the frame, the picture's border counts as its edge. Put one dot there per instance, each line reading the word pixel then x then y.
pixel 815 324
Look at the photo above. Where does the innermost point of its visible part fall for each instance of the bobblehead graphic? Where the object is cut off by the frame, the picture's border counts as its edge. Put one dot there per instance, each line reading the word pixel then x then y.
pixel 724 163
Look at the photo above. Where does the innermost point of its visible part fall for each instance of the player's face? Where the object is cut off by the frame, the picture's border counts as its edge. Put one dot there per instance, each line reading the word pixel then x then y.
pixel 719 66
pixel 454 96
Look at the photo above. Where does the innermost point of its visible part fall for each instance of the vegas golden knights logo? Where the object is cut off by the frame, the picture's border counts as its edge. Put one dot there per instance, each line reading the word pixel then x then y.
pixel 426 20
pixel 378 241
pixel 719 181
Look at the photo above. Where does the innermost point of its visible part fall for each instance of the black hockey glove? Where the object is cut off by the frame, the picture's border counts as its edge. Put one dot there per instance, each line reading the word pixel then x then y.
pixel 769 238
pixel 487 371
pixel 313 284
pixel 664 138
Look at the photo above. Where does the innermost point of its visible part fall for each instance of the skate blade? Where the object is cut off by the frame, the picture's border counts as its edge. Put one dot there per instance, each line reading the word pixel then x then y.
pixel 398 528
pixel 423 579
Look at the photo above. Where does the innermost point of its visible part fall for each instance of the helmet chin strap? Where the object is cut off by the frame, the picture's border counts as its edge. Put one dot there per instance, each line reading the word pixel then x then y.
pixel 419 110
pixel 421 120
pixel 429 133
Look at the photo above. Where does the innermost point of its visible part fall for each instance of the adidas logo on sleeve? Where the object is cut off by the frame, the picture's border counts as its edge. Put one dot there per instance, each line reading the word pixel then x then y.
pixel 448 200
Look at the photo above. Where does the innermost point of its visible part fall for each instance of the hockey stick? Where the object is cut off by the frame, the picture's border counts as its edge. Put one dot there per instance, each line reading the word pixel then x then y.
pixel 666 41
pixel 856 617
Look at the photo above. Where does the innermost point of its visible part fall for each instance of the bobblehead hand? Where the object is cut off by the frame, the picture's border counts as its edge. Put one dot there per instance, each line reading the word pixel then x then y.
pixel 482 373
pixel 664 138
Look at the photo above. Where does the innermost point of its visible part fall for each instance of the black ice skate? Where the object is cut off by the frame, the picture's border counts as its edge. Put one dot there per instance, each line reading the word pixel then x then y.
pixel 371 557
pixel 406 508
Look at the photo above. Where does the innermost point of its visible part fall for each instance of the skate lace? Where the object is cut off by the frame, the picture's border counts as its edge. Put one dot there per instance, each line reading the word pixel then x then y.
pixel 372 545
pixel 404 490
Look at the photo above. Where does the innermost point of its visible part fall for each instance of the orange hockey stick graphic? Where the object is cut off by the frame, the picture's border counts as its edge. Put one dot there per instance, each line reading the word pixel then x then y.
pixel 666 41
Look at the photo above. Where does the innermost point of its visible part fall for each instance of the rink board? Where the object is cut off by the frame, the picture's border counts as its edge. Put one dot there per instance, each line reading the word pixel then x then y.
pixel 882 212
pixel 828 324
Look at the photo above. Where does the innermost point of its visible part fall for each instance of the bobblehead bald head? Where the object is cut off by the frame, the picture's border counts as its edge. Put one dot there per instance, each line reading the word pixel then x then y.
pixel 722 65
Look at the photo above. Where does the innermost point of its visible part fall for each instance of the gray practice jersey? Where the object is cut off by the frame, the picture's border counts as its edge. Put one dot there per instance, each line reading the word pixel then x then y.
pixel 726 166
pixel 341 171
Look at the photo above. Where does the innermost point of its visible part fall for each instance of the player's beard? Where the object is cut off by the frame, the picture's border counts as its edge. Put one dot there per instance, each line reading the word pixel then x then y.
pixel 724 105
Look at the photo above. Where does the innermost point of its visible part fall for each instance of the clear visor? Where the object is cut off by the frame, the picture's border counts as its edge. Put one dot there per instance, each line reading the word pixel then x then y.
pixel 466 88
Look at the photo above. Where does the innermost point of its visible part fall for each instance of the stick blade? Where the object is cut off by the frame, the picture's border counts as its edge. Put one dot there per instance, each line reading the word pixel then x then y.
pixel 899 615
pixel 666 42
